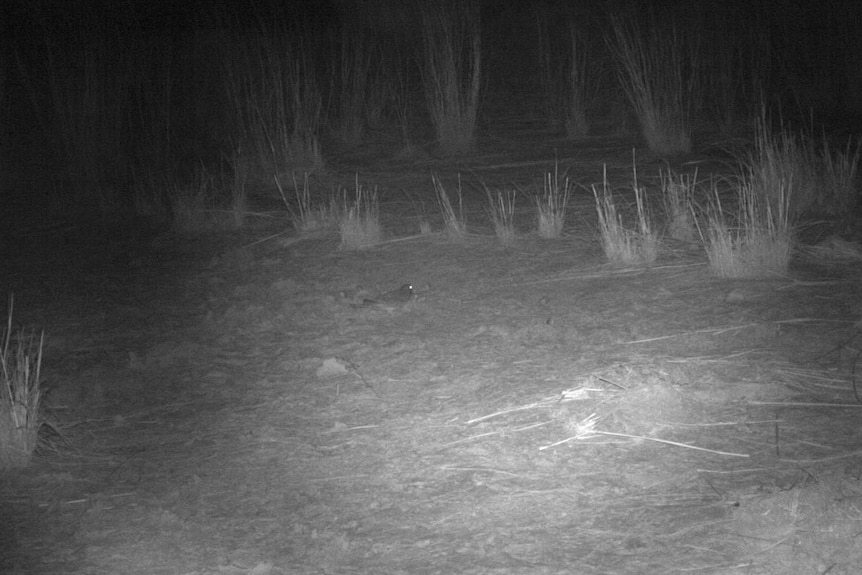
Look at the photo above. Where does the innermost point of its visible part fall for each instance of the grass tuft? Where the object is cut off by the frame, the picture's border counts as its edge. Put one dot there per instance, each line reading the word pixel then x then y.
pixel 551 205
pixel 359 219
pixel 307 215
pixel 622 245
pixel 20 395
pixel 758 242
pixel 501 208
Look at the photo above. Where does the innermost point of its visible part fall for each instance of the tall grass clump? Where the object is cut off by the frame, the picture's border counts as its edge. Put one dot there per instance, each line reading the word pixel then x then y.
pixel 623 245
pixel 351 80
pixel 736 48
pixel 551 204
pixel 757 240
pixel 20 394
pixel 454 220
pixel 275 104
pixel 811 179
pixel 564 72
pixel 656 64
pixel 452 71
pixel 359 219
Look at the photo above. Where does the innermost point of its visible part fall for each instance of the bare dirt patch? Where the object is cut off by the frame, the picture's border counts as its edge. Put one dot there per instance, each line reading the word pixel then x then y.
pixel 228 408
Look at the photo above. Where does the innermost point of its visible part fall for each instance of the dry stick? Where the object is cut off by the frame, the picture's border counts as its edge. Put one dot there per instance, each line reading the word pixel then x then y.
pixel 728 453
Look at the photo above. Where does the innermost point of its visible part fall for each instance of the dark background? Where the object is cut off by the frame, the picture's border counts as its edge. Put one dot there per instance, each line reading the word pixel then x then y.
pixel 158 68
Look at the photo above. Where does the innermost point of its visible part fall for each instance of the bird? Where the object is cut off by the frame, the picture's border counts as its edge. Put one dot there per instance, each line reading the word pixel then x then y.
pixel 403 294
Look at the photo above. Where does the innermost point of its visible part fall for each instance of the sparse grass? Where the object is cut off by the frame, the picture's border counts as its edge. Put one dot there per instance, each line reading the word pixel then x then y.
pixel 359 219
pixel 656 70
pixel 758 242
pixel 275 105
pixel 622 245
pixel 501 208
pixel 452 73
pixel 677 191
pixel 20 394
pixel 551 205
pixel 454 221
